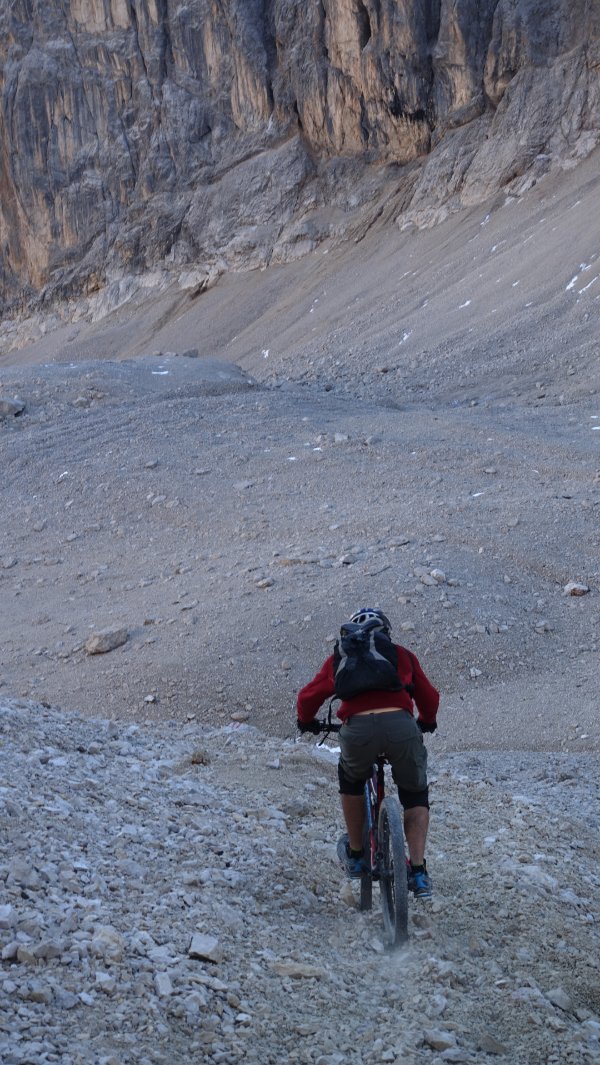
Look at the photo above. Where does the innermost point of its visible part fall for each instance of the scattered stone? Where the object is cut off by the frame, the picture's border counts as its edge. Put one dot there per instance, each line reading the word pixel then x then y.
pixel 120 867
pixel 106 640
pixel 106 983
pixel 36 991
pixel 200 757
pixel 8 916
pixel 205 947
pixel 298 970
pixel 163 985
pixel 559 998
pixel 438 1039
pixel 107 943
pixel 11 408
pixel 575 588
pixel 347 895
pixel 490 1045
pixel 425 576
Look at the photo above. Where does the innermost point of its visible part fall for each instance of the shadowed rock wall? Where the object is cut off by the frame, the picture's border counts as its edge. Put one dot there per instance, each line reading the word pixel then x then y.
pixel 138 131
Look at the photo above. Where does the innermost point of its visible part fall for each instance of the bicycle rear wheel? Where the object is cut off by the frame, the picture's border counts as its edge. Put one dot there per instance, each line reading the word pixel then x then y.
pixel 393 884
pixel 366 880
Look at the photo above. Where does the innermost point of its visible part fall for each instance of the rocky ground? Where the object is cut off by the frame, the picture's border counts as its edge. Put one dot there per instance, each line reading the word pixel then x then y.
pixel 229 534
pixel 201 490
pixel 171 895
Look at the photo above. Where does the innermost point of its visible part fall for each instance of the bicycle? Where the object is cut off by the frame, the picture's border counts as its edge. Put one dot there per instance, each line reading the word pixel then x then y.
pixel 384 849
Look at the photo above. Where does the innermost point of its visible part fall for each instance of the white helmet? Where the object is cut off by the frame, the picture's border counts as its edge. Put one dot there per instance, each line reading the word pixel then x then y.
pixel 367 613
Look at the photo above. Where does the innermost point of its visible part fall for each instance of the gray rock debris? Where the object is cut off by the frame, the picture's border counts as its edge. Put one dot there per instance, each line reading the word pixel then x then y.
pixel 156 907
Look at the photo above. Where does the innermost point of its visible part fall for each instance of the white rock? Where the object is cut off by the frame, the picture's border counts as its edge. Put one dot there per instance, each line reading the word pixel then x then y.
pixel 205 947
pixel 438 1039
pixel 107 943
pixel 163 985
pixel 559 998
pixel 591 1028
pixel 575 588
pixel 347 894
pixel 536 875
pixel 105 982
pixel 8 916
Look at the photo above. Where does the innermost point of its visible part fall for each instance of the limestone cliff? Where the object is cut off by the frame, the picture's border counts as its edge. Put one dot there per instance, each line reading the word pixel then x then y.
pixel 224 132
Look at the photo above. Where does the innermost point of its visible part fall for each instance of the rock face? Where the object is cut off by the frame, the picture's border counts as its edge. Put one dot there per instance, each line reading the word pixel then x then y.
pixel 212 132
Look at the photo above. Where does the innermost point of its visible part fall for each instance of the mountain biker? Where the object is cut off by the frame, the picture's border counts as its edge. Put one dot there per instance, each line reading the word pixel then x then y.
pixel 381 722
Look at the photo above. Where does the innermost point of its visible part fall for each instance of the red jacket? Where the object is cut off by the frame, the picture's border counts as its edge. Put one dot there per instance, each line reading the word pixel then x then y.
pixel 322 687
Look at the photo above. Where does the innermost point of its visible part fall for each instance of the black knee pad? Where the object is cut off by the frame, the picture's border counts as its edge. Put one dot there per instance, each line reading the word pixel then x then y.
pixel 349 787
pixel 410 799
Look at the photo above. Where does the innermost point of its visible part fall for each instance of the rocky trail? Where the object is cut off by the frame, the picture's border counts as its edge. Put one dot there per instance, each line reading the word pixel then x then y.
pixel 171 894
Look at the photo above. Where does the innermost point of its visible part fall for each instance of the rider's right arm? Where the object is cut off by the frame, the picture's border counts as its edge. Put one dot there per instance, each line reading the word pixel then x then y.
pixel 314 694
pixel 426 696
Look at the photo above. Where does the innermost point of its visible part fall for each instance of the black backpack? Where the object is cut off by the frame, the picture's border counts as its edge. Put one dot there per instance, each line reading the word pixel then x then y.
pixel 364 659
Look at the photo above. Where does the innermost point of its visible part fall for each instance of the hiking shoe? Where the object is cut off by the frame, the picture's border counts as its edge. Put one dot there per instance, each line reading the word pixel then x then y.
pixel 419 883
pixel 352 867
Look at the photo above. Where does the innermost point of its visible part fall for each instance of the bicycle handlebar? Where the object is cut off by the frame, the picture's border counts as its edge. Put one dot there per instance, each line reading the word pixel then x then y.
pixel 316 727
pixel 329 726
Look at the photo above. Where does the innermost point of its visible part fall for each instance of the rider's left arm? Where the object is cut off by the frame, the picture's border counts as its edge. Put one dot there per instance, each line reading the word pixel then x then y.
pixel 314 694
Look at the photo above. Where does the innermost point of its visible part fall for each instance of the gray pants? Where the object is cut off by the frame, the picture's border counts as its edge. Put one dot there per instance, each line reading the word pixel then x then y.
pixel 396 735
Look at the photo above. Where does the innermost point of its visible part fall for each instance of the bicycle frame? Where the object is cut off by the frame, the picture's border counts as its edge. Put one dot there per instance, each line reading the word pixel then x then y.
pixel 374 796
